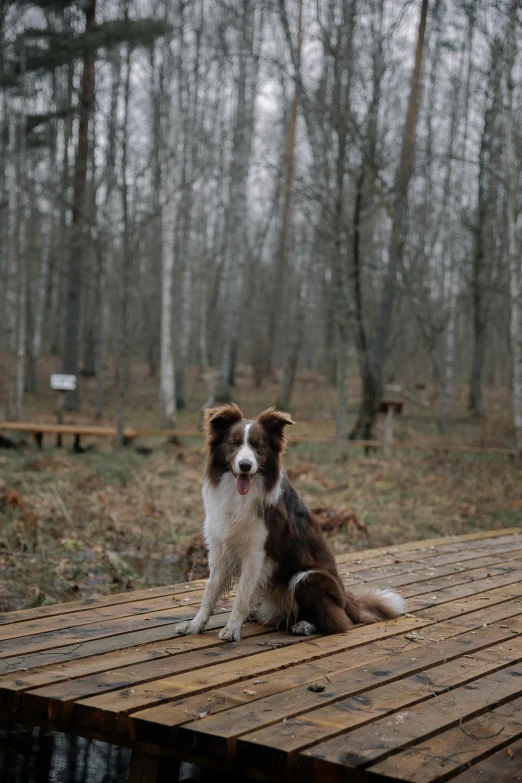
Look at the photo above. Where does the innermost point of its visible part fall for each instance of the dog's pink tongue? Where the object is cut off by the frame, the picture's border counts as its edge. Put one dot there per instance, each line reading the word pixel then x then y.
pixel 243 483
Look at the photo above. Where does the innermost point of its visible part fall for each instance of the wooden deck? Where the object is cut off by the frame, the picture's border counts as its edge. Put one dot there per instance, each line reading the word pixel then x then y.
pixel 435 695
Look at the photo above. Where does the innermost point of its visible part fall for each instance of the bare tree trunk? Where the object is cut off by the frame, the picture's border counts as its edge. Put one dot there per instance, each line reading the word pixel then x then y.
pixel 372 382
pixel 243 133
pixel 22 262
pixel 61 259
pixel 105 249
pixel 11 281
pixel 342 409
pixel 72 324
pixel 484 238
pixel 450 349
pixel 188 111
pixel 92 303
pixel 457 188
pixel 167 373
pixel 476 403
pixel 281 258
pixel 514 253
pixel 168 246
pixel 209 375
pixel 43 275
pixel 123 338
pixel 289 371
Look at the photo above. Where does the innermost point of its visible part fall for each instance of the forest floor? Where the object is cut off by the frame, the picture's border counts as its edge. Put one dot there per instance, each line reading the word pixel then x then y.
pixel 83 525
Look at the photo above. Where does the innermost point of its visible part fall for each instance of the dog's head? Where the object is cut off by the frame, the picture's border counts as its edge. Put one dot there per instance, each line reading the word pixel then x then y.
pixel 245 447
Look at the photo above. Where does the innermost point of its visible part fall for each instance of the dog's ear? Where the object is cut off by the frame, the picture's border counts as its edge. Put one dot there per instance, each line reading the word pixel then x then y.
pixel 217 420
pixel 275 422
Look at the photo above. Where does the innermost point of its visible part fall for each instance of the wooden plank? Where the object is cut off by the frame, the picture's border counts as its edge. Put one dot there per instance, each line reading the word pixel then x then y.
pixel 39 612
pixel 436 559
pixel 461 577
pixel 163 721
pixel 447 753
pixel 447 541
pixel 504 766
pixel 373 743
pixel 217 735
pixel 437 563
pixel 428 573
pixel 31 628
pixel 461 606
pixel 65 429
pixel 276 748
pixel 53 701
pixel 65 637
pixel 399 573
pixel 426 601
pixel 167 645
pixel 419 582
pixel 111 706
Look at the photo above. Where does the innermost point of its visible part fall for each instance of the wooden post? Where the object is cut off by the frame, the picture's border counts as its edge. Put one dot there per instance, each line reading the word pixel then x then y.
pixel 389 407
pixel 59 417
pixel 62 384
pixel 388 431
pixel 148 768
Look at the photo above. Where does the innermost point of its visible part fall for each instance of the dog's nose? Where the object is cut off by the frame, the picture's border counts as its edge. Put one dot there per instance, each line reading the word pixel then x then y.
pixel 245 466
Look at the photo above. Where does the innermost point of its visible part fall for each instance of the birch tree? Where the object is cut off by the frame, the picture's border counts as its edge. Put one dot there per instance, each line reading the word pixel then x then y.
pixel 453 243
pixel 373 375
pixel 74 284
pixel 248 31
pixel 513 247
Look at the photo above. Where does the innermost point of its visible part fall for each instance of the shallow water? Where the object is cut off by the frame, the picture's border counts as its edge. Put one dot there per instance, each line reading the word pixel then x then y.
pixel 31 755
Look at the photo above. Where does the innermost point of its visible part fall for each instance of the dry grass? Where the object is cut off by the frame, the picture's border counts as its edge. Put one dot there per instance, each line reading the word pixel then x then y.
pixel 82 525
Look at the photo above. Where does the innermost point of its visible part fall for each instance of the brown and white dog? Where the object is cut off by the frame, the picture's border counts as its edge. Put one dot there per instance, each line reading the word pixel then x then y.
pixel 260 532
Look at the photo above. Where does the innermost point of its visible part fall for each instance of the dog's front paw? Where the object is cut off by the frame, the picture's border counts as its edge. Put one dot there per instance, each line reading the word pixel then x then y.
pixel 191 626
pixel 230 633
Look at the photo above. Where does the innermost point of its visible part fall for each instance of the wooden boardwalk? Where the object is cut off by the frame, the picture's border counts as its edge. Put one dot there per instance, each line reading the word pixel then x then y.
pixel 435 695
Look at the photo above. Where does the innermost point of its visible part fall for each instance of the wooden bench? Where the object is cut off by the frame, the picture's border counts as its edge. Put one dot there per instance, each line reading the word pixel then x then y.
pixel 38 430
pixel 432 695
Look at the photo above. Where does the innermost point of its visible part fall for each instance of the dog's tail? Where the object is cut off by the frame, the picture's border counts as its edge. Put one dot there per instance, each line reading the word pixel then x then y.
pixel 370 605
pixel 340 608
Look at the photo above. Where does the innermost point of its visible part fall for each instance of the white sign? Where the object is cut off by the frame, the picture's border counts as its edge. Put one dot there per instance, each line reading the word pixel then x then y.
pixel 63 382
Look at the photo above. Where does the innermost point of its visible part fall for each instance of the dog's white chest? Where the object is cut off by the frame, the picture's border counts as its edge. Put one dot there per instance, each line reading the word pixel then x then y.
pixel 235 520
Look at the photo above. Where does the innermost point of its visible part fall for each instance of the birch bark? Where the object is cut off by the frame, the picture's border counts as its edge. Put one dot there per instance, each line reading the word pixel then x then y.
pixel 514 253
pixel 167 373
pixel 72 327
pixel 243 135
pixel 454 274
pixel 105 256
pixel 11 272
pixel 168 245
pixel 35 346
